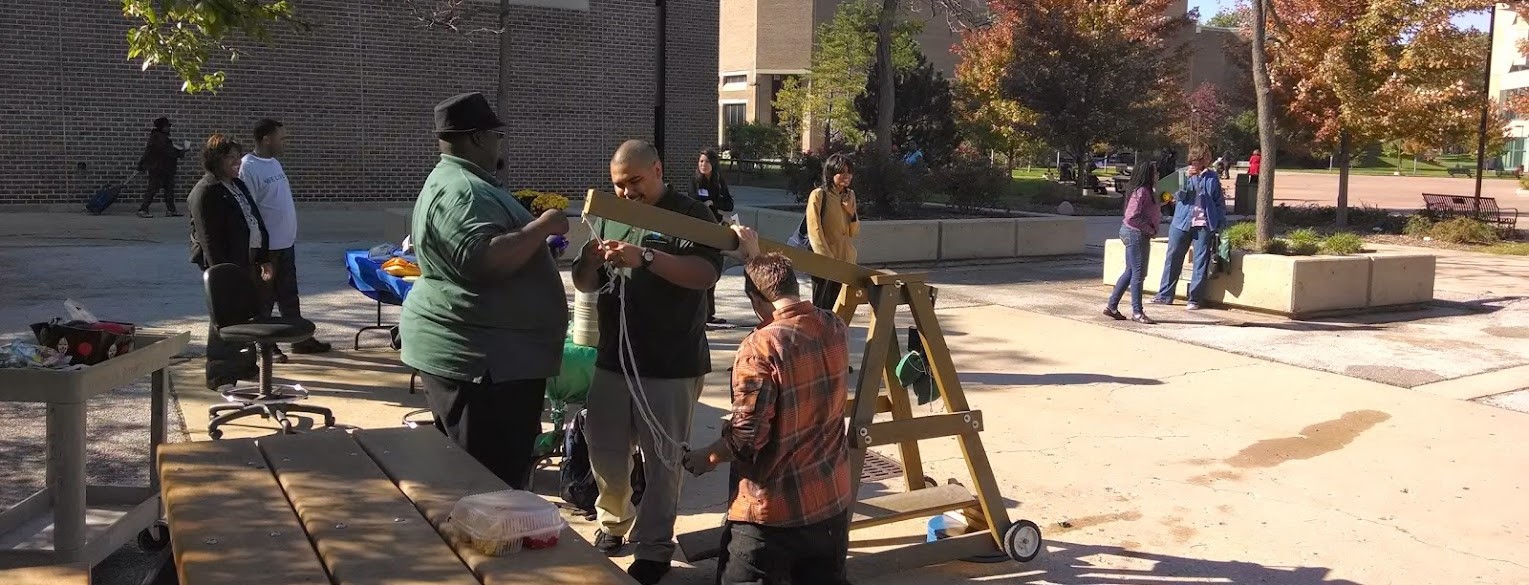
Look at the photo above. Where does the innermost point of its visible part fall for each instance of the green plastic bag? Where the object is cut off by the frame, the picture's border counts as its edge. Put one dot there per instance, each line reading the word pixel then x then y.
pixel 913 374
pixel 571 386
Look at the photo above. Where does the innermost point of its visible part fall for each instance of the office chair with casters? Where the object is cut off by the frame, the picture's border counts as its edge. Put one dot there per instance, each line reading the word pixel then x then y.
pixel 232 302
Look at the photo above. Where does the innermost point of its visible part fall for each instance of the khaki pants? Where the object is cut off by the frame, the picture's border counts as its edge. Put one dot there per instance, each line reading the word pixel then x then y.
pixel 613 427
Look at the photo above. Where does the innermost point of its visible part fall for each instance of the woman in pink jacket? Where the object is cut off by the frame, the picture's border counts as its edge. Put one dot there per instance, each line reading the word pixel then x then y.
pixel 1142 217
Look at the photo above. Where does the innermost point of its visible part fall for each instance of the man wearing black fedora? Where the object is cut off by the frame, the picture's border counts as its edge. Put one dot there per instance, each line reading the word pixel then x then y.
pixel 484 324
pixel 159 161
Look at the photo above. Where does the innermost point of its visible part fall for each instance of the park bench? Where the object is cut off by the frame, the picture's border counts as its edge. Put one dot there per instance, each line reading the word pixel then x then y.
pixel 1515 173
pixel 1482 208
pixel 1458 170
pixel 344 508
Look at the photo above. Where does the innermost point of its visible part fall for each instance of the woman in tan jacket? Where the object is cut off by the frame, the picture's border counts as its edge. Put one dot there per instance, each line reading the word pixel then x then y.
pixel 832 223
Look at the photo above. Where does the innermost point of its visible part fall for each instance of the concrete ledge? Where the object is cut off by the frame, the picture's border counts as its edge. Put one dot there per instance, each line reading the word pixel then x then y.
pixel 1296 286
pixel 925 240
pixel 1049 235
pixel 962 239
pixel 898 241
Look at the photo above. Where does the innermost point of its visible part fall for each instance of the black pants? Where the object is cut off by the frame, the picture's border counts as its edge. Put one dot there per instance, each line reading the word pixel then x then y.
pixel 496 422
pixel 825 293
pixel 753 554
pixel 711 303
pixel 283 284
pixel 158 184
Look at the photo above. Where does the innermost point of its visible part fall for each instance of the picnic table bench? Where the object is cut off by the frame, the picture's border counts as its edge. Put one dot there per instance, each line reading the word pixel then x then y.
pixel 1459 170
pixel 345 508
pixel 1482 208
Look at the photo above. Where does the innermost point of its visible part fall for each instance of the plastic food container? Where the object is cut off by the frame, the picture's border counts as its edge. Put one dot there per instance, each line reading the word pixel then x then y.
pixel 499 523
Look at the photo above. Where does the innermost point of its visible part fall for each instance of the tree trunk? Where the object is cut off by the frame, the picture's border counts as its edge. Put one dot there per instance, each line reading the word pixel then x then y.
pixel 1268 143
pixel 1345 161
pixel 502 89
pixel 886 109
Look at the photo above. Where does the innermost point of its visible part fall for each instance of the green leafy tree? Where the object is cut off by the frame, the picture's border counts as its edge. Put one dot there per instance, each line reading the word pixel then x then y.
pixel 842 57
pixel 1093 71
pixel 1235 18
pixel 989 120
pixel 927 117
pixel 184 35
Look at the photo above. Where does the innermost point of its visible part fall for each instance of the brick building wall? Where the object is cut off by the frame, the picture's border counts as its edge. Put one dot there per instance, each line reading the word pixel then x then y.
pixel 356 95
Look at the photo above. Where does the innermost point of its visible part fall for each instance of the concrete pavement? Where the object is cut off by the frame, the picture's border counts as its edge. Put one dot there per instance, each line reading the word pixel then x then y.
pixel 1185 453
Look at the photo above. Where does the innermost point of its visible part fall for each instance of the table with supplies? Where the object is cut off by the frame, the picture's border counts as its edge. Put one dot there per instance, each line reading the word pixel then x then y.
pixel 368 276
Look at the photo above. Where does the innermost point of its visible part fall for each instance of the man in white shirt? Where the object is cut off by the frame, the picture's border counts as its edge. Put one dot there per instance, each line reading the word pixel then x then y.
pixel 273 194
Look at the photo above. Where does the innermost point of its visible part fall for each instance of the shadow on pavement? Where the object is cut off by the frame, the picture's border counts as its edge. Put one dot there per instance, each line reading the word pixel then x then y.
pixel 1053 379
pixel 1066 562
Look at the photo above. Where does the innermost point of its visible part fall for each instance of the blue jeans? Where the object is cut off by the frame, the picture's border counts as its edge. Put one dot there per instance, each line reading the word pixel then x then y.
pixel 1178 245
pixel 1137 251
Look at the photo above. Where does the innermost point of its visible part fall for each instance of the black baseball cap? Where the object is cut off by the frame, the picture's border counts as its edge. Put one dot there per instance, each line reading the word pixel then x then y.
pixel 468 112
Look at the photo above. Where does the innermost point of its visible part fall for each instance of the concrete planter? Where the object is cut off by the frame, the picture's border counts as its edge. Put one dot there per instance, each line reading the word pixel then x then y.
pixel 933 240
pixel 1297 286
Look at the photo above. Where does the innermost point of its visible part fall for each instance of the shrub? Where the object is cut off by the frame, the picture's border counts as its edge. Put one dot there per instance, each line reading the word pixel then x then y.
pixel 1523 182
pixel 1304 236
pixel 884 185
pixel 758 141
pixel 1303 248
pixel 804 174
pixel 1465 230
pixel 1242 235
pixel 1277 246
pixel 1418 226
pixel 1343 243
pixel 972 182
pixel 1311 215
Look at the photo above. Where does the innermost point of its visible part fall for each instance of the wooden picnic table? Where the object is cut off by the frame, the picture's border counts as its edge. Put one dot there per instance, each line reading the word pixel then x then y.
pixel 348 508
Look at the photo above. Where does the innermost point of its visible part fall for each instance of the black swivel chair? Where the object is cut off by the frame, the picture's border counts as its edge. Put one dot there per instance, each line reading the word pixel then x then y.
pixel 232 303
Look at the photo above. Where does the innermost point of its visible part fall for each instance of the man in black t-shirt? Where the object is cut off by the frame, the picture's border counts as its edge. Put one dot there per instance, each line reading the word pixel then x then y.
pixel 664 281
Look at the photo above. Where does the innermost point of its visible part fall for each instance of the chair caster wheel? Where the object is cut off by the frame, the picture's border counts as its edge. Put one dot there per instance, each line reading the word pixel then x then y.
pixel 154 538
pixel 215 434
pixel 329 421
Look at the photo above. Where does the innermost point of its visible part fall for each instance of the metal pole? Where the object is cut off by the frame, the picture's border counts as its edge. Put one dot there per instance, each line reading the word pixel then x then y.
pixel 662 58
pixel 1486 104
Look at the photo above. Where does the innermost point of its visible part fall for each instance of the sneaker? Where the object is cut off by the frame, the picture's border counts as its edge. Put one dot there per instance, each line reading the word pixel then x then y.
pixel 1114 314
pixel 277 356
pixel 1192 306
pixel 1160 301
pixel 311 345
pixel 716 321
pixel 648 572
pixel 175 214
pixel 1143 319
pixel 145 215
pixel 609 545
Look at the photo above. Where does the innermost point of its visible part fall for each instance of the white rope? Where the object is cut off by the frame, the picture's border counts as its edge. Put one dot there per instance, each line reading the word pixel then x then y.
pixel 668 450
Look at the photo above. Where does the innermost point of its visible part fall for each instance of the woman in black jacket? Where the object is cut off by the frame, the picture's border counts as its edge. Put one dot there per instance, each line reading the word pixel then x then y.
pixel 226 228
pixel 710 189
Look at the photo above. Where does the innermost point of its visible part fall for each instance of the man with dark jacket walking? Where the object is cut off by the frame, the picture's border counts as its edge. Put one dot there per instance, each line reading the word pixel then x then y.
pixel 160 159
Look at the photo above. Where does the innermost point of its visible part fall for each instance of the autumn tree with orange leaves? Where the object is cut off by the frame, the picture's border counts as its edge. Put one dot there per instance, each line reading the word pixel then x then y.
pixel 1081 72
pixel 987 118
pixel 1362 71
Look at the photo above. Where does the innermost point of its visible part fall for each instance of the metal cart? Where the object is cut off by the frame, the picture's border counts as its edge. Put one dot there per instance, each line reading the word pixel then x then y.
pixel 87 523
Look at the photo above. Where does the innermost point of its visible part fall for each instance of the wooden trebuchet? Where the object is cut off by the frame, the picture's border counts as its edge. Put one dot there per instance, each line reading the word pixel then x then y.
pixel 884 291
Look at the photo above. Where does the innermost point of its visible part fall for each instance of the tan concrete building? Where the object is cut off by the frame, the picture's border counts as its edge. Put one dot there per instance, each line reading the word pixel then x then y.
pixel 1510 75
pixel 764 42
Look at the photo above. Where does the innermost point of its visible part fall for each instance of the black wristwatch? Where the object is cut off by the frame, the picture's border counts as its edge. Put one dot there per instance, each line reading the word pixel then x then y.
pixel 647 257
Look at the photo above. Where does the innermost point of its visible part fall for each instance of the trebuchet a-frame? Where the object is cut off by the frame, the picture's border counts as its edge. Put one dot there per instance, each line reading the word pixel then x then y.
pixel 988 521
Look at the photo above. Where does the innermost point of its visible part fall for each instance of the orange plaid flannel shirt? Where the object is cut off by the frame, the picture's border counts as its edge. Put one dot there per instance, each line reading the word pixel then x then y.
pixel 790 382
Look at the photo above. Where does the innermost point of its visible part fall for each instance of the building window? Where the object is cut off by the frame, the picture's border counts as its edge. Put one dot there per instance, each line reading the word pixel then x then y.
pixel 734 115
pixel 735 82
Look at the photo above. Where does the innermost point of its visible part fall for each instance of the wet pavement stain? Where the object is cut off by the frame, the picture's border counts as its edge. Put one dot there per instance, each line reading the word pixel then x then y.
pixel 1215 476
pixel 1315 440
pixel 1513 332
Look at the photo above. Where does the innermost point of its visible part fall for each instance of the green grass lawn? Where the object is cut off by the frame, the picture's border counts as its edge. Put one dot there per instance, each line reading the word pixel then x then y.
pixel 1389 166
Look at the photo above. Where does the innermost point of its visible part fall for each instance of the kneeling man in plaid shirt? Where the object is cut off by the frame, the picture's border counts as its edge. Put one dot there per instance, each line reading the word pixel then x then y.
pixel 788 520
